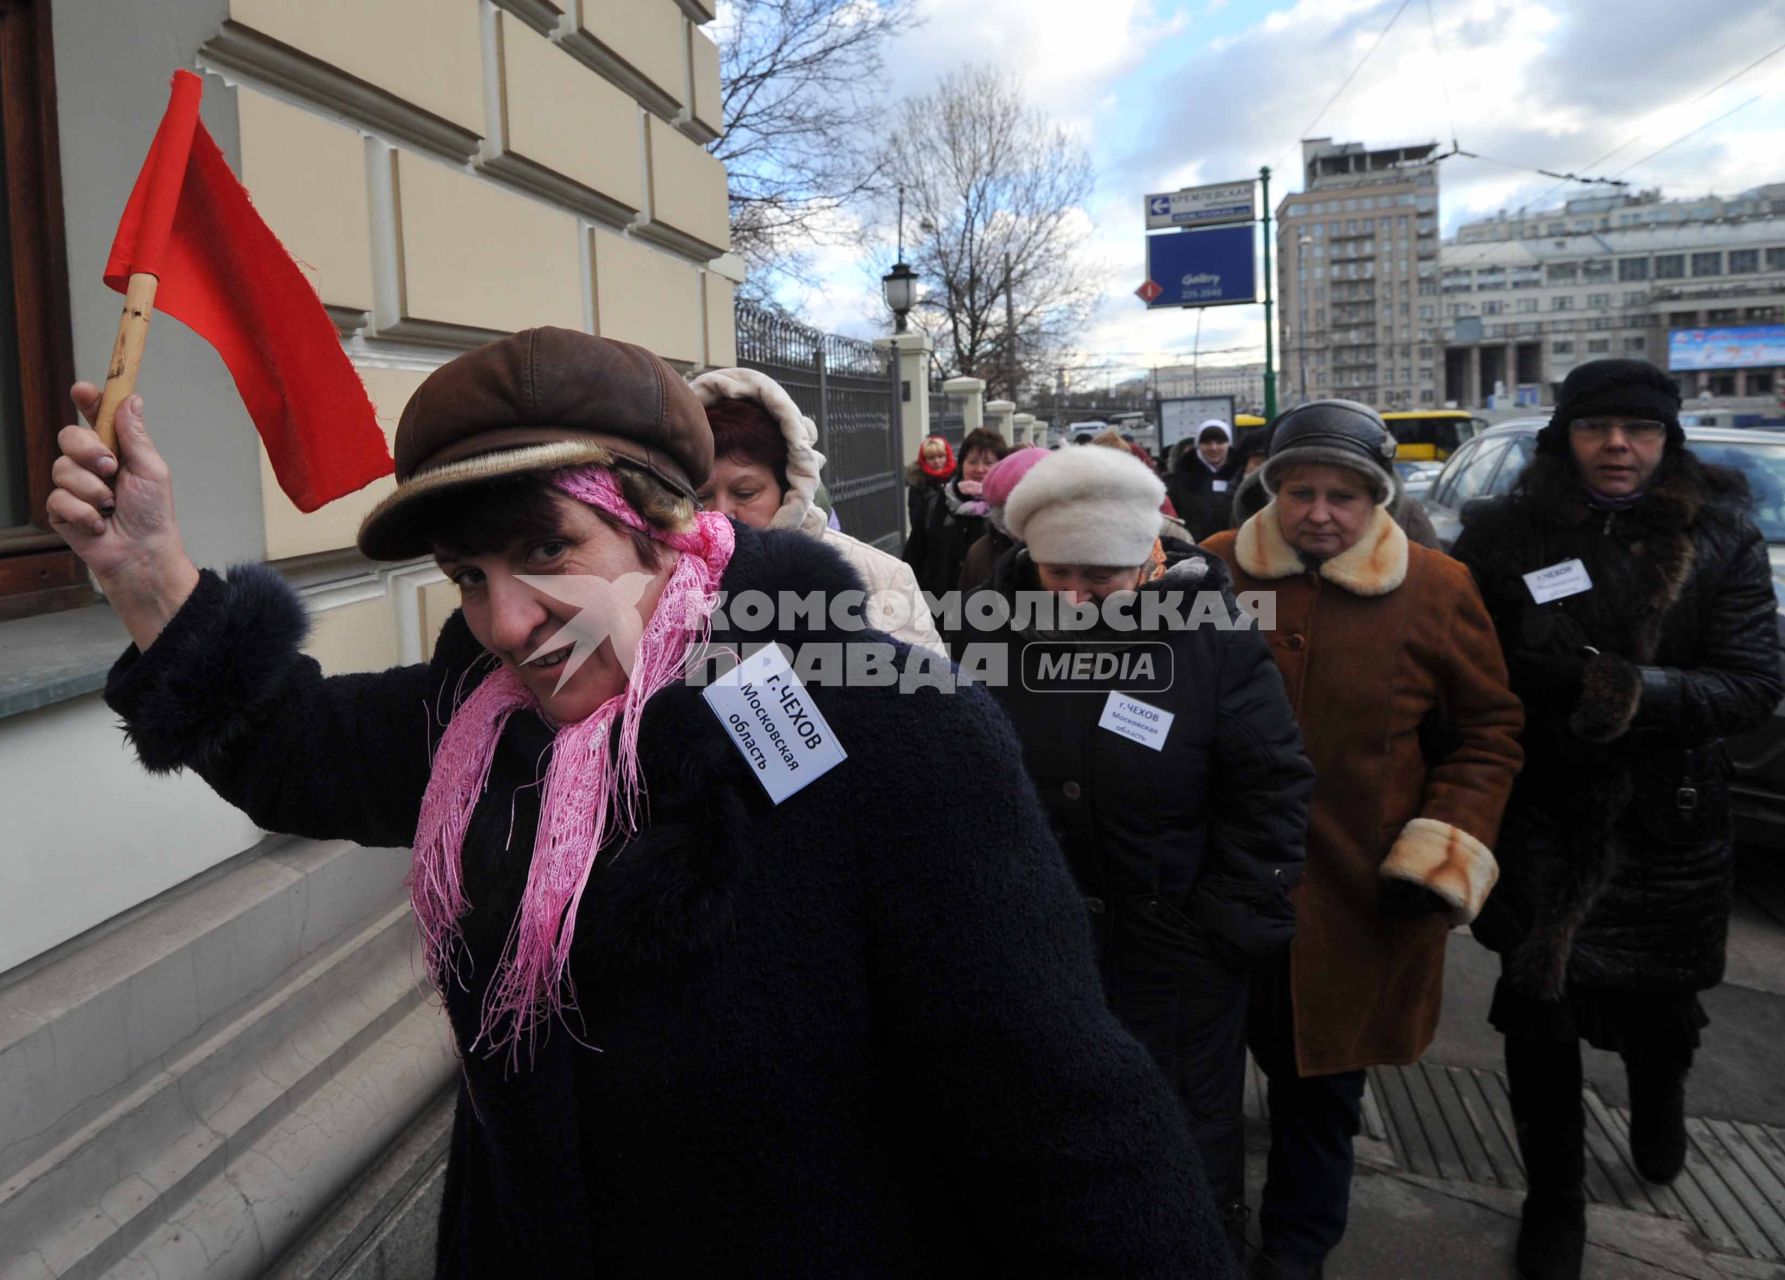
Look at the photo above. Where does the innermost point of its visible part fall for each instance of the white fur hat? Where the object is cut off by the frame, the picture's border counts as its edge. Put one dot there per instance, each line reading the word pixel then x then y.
pixel 1087 506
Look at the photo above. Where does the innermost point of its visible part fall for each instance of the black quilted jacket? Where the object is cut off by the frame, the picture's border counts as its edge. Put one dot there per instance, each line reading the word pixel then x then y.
pixel 1616 850
pixel 1199 833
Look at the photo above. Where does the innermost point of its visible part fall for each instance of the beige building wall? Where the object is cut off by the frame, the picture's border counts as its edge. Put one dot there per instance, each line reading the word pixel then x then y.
pixel 529 162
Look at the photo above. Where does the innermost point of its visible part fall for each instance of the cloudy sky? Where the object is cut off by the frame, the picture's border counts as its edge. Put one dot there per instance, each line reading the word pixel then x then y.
pixel 1169 93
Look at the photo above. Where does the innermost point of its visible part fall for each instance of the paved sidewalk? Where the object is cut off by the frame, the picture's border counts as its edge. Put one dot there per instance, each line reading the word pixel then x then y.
pixel 1439 1184
pixel 1409 1226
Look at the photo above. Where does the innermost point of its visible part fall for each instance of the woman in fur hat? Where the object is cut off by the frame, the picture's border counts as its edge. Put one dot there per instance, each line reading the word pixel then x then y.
pixel 766 475
pixel 1176 784
pixel 1249 496
pixel 1395 672
pixel 1633 597
pixel 707 1027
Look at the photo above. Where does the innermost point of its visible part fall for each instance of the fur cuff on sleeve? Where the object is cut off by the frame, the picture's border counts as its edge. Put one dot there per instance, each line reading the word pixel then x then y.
pixel 1447 860
pixel 211 670
pixel 1610 692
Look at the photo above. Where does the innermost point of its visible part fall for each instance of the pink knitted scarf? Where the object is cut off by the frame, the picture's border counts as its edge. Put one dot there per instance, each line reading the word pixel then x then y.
pixel 593 793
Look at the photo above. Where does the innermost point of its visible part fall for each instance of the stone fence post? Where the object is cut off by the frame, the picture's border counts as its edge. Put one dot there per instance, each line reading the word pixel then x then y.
pixel 972 394
pixel 998 415
pixel 912 350
pixel 1022 428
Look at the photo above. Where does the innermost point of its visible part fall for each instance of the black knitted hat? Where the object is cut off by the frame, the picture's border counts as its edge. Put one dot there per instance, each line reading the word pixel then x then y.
pixel 1633 388
pixel 1254 442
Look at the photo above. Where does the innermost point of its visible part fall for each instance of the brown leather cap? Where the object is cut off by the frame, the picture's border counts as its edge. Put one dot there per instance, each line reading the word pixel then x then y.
pixel 538 400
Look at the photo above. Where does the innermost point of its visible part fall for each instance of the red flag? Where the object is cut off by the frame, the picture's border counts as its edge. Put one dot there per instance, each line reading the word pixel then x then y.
pixel 225 275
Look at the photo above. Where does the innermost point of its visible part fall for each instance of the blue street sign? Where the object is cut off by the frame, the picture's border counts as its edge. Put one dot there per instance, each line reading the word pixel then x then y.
pixel 1159 206
pixel 1213 268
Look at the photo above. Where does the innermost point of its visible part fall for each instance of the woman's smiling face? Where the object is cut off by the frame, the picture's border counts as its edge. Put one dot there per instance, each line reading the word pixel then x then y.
pixel 571 642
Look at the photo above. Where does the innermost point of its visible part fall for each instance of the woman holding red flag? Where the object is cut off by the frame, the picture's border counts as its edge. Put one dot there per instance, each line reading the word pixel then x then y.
pixel 706 1027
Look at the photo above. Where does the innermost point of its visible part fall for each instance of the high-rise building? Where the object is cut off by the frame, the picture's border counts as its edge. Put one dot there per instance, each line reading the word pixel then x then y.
pixel 1357 271
pixel 1530 294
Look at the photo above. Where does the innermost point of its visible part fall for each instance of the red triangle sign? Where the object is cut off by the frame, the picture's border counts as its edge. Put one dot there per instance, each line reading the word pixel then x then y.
pixel 1148 291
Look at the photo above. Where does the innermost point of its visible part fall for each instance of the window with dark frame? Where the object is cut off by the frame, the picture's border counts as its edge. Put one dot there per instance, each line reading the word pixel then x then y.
pixel 37 571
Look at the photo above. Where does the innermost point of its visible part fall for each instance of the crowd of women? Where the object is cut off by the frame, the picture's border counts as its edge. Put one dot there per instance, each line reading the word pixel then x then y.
pixel 977 999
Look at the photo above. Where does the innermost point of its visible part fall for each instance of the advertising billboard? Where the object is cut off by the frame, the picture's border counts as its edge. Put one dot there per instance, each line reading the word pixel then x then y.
pixel 1179 419
pixel 1213 268
pixel 1751 347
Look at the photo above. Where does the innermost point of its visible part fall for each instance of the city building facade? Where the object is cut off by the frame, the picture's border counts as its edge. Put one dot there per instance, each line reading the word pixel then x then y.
pixel 1527 296
pixel 210 1033
pixel 1357 276
pixel 1244 382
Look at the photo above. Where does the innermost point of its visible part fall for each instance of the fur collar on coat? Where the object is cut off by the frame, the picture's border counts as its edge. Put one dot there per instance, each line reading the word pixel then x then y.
pixel 1374 565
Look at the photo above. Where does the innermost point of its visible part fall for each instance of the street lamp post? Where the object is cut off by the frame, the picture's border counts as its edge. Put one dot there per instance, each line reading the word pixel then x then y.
pixel 1270 365
pixel 900 284
pixel 900 288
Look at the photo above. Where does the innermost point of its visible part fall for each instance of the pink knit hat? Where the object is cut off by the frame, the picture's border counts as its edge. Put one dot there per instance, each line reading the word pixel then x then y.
pixel 1013 466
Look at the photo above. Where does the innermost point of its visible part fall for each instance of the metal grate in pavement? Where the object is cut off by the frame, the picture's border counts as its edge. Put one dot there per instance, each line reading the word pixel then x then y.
pixel 1455 1124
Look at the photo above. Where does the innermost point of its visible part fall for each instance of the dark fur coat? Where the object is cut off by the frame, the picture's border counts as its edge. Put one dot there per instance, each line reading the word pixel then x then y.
pixel 1616 851
pixel 857 1034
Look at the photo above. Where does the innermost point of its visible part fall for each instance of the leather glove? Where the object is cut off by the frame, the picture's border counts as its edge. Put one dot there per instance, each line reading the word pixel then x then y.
pixel 1551 677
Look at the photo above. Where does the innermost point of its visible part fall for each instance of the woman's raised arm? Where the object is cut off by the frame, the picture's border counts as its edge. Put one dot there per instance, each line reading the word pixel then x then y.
pixel 216 680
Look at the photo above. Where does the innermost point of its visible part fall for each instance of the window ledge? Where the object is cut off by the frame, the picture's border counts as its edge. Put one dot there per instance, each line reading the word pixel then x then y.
pixel 57 656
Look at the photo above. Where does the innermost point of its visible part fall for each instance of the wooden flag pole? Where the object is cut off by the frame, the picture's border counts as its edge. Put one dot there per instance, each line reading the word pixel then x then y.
pixel 127 355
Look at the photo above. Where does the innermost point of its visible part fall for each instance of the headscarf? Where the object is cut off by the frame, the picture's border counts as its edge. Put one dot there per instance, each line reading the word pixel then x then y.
pixel 593 792
pixel 948 464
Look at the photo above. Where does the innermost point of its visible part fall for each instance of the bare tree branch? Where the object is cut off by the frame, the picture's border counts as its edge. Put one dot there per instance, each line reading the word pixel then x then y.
pixel 994 199
pixel 801 95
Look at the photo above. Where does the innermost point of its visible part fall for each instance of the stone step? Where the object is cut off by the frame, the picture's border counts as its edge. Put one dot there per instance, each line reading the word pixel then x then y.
pixel 259 1206
pixel 91 1022
pixel 155 1152
pixel 384 1227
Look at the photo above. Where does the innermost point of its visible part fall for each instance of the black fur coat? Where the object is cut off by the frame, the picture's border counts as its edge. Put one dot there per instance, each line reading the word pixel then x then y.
pixel 858 1034
pixel 1616 850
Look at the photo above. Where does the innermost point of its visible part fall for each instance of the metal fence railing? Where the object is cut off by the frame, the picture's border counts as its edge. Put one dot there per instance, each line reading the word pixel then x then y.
pixel 849 390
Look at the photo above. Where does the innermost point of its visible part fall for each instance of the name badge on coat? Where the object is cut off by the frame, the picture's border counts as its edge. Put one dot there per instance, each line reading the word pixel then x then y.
pixel 1569 578
pixel 774 723
pixel 1136 721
